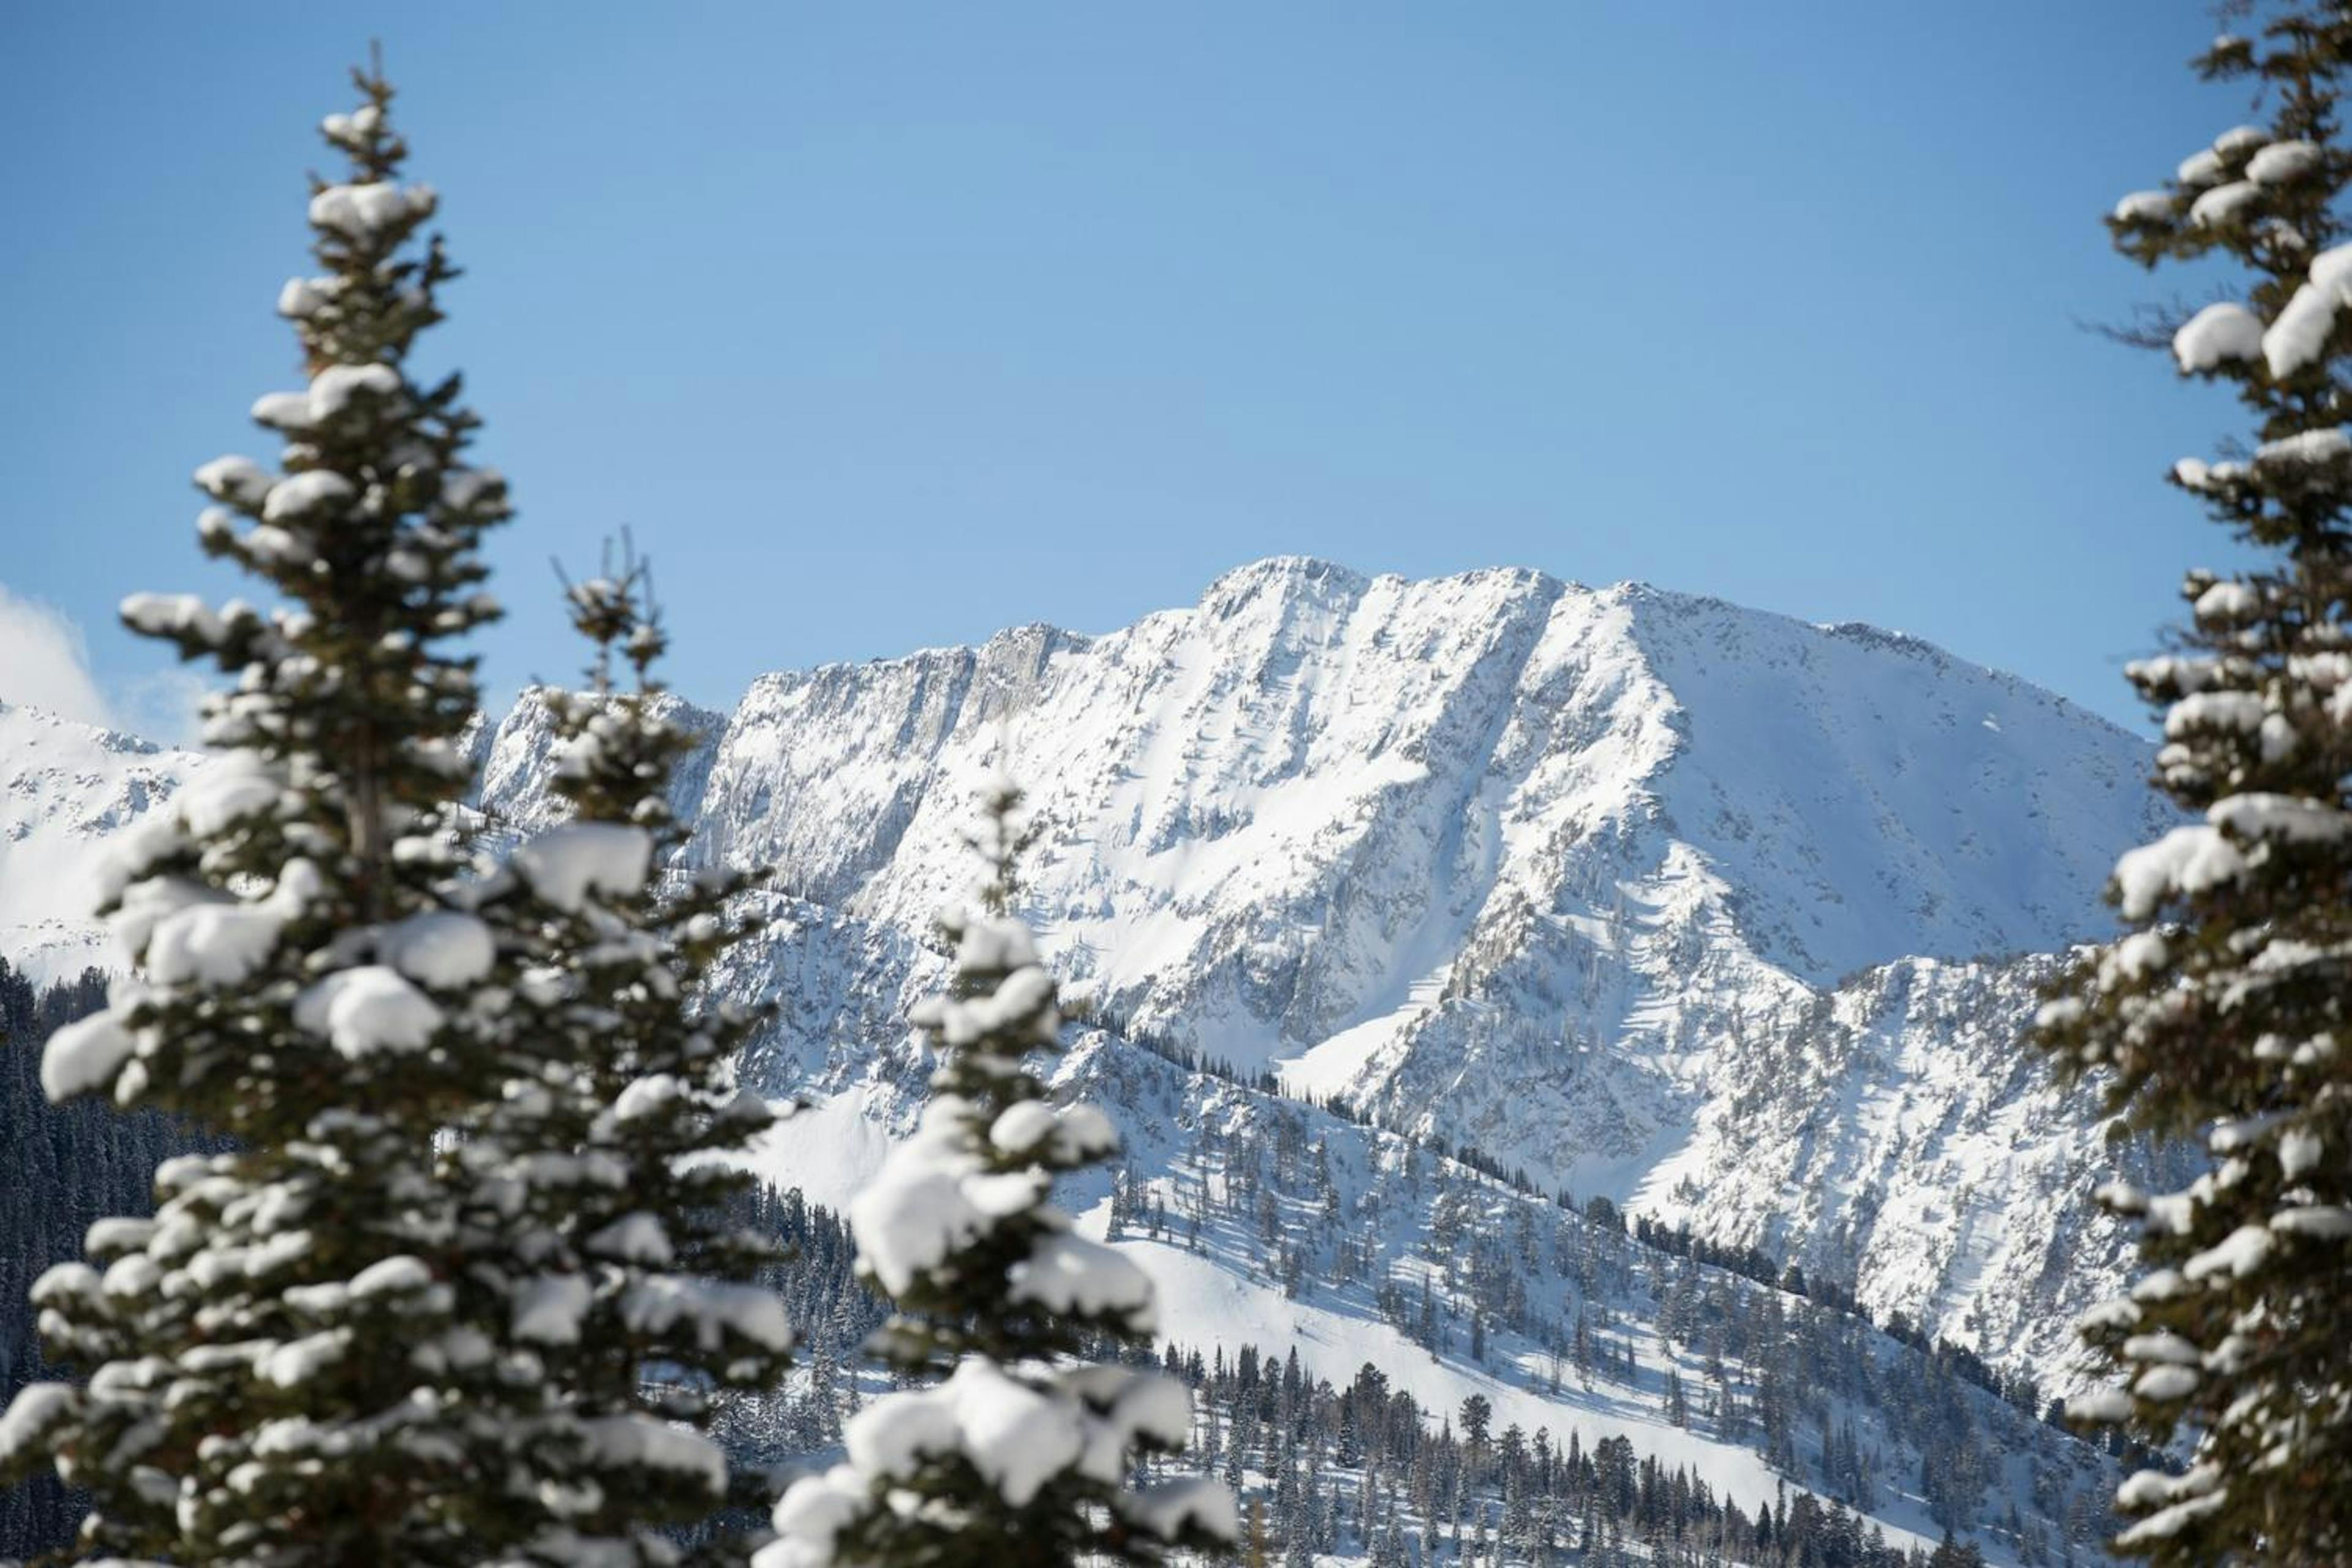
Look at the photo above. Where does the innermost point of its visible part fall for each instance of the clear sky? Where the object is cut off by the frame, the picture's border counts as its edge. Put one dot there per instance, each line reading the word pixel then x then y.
pixel 888 326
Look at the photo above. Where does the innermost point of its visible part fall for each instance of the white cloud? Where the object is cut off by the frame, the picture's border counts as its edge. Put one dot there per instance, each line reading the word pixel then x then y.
pixel 44 661
pixel 162 705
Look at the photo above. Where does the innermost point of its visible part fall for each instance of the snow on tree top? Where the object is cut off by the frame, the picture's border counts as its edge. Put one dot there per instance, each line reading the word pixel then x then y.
pixel 2281 163
pixel 439 948
pixel 1016 1436
pixel 361 210
pixel 234 479
pixel 566 865
pixel 329 393
pixel 1068 1134
pixel 930 1198
pixel 2222 204
pixel 2297 336
pixel 2188 860
pixel 83 1056
pixel 1166 1508
pixel 1070 1274
pixel 354 128
pixel 300 494
pixel 2200 168
pixel 2304 446
pixel 657 1302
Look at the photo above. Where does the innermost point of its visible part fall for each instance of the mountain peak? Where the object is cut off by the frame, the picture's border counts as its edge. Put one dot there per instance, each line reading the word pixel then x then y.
pixel 1279 579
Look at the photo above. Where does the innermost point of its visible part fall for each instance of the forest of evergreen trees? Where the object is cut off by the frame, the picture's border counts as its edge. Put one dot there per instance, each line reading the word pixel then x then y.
pixel 1359 1468
pixel 1750 1262
pixel 1366 1469
pixel 67 1166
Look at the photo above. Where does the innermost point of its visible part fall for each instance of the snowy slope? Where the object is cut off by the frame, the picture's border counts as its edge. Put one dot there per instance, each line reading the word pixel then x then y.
pixel 1270 1225
pixel 1560 874
pixel 1569 875
pixel 1892 1136
pixel 64 788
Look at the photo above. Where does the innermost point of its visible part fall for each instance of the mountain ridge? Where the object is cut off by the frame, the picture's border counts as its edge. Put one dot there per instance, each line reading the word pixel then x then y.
pixel 1552 872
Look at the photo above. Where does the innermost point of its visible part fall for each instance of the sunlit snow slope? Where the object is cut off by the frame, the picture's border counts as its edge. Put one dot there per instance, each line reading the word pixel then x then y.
pixel 64 787
pixel 1627 889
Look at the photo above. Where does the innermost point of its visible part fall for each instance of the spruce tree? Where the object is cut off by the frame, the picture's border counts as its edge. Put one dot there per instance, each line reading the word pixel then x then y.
pixel 1020 1452
pixel 2221 1014
pixel 411 1316
pixel 602 1221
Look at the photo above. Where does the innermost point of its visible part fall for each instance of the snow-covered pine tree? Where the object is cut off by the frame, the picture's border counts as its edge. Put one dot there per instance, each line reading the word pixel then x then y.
pixel 345 1340
pixel 250 1393
pixel 2222 1014
pixel 1021 1454
pixel 600 1219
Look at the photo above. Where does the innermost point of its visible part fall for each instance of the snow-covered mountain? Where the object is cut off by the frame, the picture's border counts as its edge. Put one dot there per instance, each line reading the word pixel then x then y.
pixel 1649 896
pixel 64 788
pixel 1726 917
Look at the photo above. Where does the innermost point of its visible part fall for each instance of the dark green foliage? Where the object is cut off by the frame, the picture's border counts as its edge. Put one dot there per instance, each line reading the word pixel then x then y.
pixel 2222 1015
pixel 68 1166
pixel 601 1163
pixel 1358 1471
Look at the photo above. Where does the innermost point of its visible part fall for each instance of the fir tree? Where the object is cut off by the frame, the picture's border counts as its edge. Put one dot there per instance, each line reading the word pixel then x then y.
pixel 1020 1453
pixel 2222 1015
pixel 598 1201
pixel 1257 1550
pixel 410 1317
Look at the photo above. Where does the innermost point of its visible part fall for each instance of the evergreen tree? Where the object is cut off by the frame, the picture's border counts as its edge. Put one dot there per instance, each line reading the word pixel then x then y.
pixel 2222 1013
pixel 1258 1551
pixel 411 1314
pixel 1020 1453
pixel 595 1182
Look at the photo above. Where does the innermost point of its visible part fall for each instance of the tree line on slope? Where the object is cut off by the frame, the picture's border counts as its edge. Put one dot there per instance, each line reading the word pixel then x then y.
pixel 1366 1472
pixel 1514 1286
pixel 1275 1190
pixel 70 1165
pixel 1329 1450
pixel 2017 1387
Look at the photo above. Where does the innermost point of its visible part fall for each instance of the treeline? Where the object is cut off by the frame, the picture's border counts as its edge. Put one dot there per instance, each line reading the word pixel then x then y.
pixel 2017 1389
pixel 1366 1470
pixel 1359 1469
pixel 1548 1292
pixel 1363 1470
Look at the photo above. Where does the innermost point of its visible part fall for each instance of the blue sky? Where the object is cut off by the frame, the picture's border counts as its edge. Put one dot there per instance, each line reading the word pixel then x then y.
pixel 888 326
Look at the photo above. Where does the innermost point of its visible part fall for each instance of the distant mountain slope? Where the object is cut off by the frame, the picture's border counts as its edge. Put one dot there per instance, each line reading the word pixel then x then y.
pixel 64 788
pixel 1584 880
